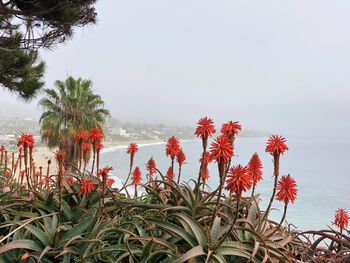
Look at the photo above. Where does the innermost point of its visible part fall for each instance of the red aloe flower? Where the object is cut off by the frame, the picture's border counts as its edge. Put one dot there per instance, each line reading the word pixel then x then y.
pixel 95 136
pixel 26 140
pixel 8 174
pixel 110 182
pixel 60 156
pixel 181 157
pixel 172 147
pixel 37 174
pixel 341 218
pixel 86 186
pixel 287 189
pixel 205 129
pixel 238 180
pixel 151 166
pixel 207 158
pixel 99 146
pixel 132 148
pixel 2 148
pixel 221 149
pixel 170 175
pixel 136 176
pixel 205 173
pixel 231 129
pixel 104 171
pixel 255 168
pixel 276 145
pixel 81 136
pixel 86 147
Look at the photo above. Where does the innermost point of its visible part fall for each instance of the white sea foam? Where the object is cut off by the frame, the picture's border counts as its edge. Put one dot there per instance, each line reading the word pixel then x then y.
pixel 125 146
pixel 115 148
pixel 118 184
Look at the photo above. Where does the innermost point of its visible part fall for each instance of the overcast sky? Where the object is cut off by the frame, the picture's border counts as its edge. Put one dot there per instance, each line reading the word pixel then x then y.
pixel 281 66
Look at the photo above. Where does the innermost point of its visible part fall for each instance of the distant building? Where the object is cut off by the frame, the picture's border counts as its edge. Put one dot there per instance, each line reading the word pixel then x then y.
pixel 153 136
pixel 8 139
pixel 118 132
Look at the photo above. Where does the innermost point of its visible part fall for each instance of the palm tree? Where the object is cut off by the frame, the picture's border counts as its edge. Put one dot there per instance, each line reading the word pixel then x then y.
pixel 70 107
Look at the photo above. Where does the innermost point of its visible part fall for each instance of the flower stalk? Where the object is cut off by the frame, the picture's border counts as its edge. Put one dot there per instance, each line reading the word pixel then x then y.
pixel 132 149
pixel 276 145
pixel 276 165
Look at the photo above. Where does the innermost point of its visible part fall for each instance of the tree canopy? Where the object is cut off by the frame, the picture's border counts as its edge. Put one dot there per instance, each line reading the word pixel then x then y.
pixel 28 25
pixel 70 107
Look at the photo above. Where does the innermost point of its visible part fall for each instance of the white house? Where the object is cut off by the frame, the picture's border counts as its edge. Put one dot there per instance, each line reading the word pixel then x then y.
pixel 119 132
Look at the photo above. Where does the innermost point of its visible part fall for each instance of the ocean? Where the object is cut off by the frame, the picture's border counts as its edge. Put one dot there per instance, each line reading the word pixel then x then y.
pixel 320 168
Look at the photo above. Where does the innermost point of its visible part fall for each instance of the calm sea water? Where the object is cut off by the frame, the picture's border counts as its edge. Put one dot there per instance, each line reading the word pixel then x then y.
pixel 321 169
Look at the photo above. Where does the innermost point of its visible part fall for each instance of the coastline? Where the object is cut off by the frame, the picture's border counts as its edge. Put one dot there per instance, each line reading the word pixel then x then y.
pixel 112 146
pixel 122 144
pixel 42 154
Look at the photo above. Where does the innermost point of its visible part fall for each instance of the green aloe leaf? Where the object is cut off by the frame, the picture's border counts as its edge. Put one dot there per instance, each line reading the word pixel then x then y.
pixel 67 210
pixel 219 258
pixel 40 234
pixel 253 210
pixel 215 231
pixel 81 227
pixel 45 250
pixel 225 251
pixel 191 254
pixel 238 249
pixel 43 205
pixel 162 242
pixel 174 229
pixel 147 250
pixel 158 255
pixel 21 244
pixel 196 229
pixel 22 214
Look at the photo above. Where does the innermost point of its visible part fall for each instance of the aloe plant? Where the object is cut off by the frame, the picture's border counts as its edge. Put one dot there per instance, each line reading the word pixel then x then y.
pixel 66 221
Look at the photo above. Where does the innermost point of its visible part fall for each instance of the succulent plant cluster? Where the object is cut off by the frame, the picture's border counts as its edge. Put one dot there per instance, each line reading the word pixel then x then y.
pixel 75 215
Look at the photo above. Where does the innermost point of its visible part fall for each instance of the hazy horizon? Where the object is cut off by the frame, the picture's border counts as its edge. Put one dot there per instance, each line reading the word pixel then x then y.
pixel 276 66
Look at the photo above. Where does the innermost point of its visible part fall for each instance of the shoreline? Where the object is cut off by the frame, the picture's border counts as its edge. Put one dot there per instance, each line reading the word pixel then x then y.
pixel 112 146
pixel 42 154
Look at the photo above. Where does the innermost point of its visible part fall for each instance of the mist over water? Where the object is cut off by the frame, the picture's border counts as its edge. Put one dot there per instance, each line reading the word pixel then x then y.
pixel 319 167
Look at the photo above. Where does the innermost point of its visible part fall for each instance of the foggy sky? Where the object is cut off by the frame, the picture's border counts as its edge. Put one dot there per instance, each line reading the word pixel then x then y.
pixel 281 66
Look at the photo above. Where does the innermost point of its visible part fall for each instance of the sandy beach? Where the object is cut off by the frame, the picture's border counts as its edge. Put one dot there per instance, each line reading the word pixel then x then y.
pixel 42 154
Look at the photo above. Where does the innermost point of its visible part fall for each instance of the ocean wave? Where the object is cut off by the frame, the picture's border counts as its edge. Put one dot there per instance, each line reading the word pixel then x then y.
pixel 125 146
